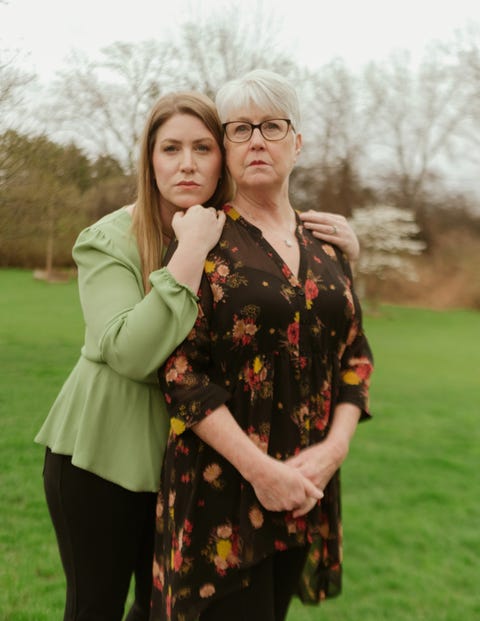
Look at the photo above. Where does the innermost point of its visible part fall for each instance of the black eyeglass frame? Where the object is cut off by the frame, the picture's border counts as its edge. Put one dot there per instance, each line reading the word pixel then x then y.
pixel 254 126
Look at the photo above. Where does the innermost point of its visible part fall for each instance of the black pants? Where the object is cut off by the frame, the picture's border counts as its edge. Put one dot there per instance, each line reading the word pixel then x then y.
pixel 105 534
pixel 273 584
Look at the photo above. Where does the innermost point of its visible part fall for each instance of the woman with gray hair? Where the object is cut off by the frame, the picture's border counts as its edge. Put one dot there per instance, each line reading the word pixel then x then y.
pixel 264 395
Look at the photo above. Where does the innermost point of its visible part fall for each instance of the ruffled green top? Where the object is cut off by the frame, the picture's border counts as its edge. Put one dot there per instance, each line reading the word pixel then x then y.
pixel 110 415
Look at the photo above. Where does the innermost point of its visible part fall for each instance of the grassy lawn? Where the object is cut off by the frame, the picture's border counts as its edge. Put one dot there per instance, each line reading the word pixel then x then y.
pixel 411 501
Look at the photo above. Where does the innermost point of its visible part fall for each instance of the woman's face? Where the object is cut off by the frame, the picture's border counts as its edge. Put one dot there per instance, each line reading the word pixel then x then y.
pixel 186 161
pixel 260 163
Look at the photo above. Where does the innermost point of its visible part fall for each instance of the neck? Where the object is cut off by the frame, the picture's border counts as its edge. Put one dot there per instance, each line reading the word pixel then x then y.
pixel 266 210
pixel 167 211
pixel 277 222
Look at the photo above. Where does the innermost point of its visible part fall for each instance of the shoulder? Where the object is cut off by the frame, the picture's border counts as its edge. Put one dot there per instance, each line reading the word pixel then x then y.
pixel 323 251
pixel 118 222
pixel 113 229
pixel 109 238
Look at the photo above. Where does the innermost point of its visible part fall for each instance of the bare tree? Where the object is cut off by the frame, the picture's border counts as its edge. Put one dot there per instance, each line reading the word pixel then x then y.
pixel 228 42
pixel 12 80
pixel 339 115
pixel 466 48
pixel 420 117
pixel 103 103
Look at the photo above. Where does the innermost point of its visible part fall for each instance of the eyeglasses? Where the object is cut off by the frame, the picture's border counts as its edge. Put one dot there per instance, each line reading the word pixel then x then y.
pixel 271 129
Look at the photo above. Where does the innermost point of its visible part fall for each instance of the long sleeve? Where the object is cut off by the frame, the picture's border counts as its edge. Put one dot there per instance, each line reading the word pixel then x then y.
pixel 188 377
pixel 110 414
pixel 130 332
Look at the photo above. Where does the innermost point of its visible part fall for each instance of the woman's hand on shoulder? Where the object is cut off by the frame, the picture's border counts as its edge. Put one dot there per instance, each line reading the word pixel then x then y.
pixel 199 226
pixel 332 228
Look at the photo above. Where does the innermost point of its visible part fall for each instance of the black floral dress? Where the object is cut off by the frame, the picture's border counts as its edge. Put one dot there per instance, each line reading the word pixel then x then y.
pixel 280 351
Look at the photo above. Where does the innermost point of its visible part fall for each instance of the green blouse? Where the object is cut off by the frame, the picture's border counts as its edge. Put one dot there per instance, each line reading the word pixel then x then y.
pixel 110 415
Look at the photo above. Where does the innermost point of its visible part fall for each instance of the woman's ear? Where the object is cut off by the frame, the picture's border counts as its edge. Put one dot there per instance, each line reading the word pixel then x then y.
pixel 298 143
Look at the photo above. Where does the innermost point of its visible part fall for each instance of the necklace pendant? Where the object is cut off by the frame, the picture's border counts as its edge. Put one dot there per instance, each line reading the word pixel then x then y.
pixel 288 243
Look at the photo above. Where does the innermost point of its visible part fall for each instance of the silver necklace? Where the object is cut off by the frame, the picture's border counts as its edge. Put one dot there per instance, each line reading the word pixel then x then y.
pixel 286 241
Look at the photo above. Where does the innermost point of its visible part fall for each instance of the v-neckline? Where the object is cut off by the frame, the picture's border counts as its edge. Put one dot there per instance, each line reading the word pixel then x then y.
pixel 293 279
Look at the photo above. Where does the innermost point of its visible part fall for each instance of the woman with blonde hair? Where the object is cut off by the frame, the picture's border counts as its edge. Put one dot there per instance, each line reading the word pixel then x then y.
pixel 106 432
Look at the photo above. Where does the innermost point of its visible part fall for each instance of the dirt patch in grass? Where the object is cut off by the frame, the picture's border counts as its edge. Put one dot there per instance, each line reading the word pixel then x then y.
pixel 448 276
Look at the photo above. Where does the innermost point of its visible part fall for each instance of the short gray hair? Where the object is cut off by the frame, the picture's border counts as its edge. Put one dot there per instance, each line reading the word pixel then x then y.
pixel 266 89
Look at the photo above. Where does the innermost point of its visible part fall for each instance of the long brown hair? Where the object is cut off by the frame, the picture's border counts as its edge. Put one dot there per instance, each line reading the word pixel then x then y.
pixel 147 225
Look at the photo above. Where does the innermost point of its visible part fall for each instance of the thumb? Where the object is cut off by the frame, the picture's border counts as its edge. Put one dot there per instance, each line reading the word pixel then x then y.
pixel 312 490
pixel 219 224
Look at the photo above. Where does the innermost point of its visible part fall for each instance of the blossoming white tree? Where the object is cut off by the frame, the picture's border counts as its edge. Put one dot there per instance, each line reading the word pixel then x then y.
pixel 389 237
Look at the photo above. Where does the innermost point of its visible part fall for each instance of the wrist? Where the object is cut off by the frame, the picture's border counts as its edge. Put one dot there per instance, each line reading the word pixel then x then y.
pixel 193 249
pixel 337 447
pixel 254 465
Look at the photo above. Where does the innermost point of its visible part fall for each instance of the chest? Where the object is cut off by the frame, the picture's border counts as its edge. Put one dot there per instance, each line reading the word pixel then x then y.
pixel 256 301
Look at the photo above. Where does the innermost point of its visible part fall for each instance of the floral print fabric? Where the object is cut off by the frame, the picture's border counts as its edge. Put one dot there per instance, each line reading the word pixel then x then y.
pixel 280 350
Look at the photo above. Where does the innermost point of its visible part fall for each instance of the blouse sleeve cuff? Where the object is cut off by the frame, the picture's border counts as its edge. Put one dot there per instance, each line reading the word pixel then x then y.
pixel 163 278
pixel 187 414
pixel 347 395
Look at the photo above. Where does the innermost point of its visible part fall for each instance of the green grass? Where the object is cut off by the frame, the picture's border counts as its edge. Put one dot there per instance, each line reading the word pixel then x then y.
pixel 411 501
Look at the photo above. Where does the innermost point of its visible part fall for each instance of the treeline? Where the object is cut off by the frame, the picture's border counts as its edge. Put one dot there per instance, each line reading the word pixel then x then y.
pixel 393 133
pixel 49 193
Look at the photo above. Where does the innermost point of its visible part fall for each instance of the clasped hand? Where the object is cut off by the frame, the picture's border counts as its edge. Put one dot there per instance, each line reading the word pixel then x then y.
pixel 297 484
pixel 282 487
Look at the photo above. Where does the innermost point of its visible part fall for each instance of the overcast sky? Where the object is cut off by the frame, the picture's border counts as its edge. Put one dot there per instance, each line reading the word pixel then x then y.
pixel 44 31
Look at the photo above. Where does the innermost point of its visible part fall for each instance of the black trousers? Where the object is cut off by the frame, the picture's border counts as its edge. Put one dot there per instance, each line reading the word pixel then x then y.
pixel 105 535
pixel 273 584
